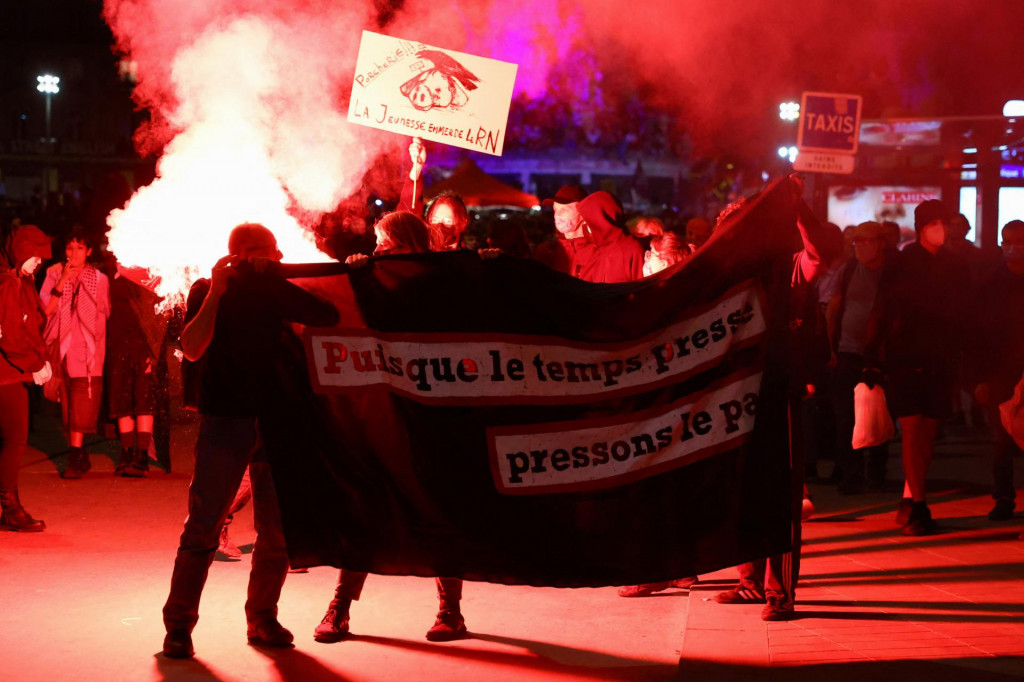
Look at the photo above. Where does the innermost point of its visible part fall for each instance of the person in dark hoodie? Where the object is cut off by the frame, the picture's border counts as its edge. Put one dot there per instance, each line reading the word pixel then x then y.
pixel 594 244
pixel 923 328
pixel 235 322
pixel 997 359
pixel 22 359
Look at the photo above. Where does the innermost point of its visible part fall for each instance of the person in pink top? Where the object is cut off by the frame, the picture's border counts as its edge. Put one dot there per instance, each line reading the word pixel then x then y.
pixel 76 297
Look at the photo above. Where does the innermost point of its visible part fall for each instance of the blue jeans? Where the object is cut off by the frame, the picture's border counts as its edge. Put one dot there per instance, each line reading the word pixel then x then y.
pixel 225 447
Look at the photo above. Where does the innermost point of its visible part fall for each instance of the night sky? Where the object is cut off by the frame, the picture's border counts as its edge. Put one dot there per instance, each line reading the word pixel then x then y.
pixel 723 68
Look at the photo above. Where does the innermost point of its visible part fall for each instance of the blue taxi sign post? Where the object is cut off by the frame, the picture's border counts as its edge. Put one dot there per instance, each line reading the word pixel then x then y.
pixel 829 131
pixel 829 123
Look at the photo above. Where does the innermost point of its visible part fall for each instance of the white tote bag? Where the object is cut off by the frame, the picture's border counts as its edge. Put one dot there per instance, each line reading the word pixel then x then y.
pixel 872 424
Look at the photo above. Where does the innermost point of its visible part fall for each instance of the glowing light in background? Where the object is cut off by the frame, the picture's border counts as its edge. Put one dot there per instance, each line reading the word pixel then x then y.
pixel 789 111
pixel 788 153
pixel 1014 107
pixel 49 85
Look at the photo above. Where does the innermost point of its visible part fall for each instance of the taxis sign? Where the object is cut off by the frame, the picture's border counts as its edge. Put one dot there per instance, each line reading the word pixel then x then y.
pixel 829 123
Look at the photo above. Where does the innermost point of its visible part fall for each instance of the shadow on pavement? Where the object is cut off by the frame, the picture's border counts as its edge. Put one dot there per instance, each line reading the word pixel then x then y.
pixel 934 670
pixel 538 657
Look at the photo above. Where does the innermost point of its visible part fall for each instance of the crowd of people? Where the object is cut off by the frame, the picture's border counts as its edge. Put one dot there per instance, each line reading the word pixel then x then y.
pixel 86 331
pixel 924 319
pixel 936 321
pixel 596 124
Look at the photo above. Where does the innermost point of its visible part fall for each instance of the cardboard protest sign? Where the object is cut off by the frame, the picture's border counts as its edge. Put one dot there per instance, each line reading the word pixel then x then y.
pixel 411 88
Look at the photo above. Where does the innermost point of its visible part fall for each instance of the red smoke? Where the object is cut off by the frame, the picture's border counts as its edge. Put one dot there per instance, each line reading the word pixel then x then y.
pixel 248 97
pixel 249 116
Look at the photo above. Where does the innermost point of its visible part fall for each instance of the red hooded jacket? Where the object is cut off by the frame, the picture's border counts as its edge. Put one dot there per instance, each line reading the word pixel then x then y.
pixel 22 350
pixel 607 254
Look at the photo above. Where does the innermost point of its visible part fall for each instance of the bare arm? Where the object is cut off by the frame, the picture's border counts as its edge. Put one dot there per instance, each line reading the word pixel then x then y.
pixel 821 244
pixel 198 333
pixel 412 189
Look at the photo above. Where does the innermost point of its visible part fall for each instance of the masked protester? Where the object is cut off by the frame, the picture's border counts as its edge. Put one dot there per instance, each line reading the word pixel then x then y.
pixel 22 359
pixel 593 243
pixel 446 217
pixel 922 332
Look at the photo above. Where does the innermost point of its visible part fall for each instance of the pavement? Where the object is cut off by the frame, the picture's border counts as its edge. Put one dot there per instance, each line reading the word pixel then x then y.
pixel 82 600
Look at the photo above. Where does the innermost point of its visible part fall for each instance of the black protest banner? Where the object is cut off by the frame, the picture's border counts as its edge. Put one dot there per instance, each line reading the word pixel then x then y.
pixel 495 420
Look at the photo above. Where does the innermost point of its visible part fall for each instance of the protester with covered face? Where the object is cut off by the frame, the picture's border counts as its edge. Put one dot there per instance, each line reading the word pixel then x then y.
pixel 446 217
pixel 22 359
pixel 997 358
pixel 76 297
pixel 397 233
pixel 239 334
pixel 593 243
pixel 922 330
pixel 556 253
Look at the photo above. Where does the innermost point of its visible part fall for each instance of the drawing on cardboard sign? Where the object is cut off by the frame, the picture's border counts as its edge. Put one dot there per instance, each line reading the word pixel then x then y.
pixel 446 85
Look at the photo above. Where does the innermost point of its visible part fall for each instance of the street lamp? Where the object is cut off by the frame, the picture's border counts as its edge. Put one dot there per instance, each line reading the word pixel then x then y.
pixel 49 86
pixel 789 111
pixel 1013 107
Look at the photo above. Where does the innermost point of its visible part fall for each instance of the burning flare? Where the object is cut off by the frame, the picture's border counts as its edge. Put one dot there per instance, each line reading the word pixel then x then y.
pixel 259 138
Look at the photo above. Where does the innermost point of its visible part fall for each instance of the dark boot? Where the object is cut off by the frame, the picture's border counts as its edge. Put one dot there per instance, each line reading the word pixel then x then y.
pixel 123 462
pixel 78 463
pixel 14 516
pixel 136 464
pixel 84 463
pixel 920 521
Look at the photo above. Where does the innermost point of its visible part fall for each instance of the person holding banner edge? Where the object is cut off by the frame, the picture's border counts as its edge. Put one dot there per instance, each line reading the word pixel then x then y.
pixel 399 232
pixel 230 336
pixel 772 581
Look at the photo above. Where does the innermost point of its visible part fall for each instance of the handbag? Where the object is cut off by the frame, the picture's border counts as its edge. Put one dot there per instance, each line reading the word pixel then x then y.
pixel 1011 414
pixel 872 424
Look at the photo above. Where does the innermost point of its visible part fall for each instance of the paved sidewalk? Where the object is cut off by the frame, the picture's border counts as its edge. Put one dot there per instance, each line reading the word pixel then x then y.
pixel 83 599
pixel 874 603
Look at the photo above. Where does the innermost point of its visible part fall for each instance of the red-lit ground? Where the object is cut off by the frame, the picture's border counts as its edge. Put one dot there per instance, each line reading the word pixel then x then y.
pixel 82 600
